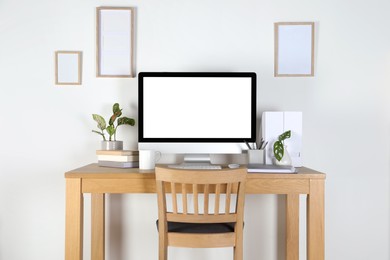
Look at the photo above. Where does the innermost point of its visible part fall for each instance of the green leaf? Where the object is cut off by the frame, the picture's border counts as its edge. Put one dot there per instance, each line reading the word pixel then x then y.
pixel 278 150
pixel 111 131
pixel 117 112
pixel 100 120
pixel 115 108
pixel 112 120
pixel 126 121
pixel 285 135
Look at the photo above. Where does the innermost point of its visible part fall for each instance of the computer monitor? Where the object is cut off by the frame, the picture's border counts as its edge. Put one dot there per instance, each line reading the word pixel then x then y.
pixel 196 112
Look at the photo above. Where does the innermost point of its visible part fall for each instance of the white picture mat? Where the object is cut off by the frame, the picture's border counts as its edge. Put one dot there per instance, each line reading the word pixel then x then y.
pixel 115 42
pixel 188 108
pixel 68 68
pixel 294 49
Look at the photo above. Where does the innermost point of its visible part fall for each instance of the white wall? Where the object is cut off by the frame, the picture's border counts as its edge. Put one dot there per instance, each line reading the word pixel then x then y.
pixel 46 129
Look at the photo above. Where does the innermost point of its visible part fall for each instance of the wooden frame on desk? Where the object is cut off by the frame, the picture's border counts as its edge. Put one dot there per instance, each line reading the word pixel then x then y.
pixel 100 180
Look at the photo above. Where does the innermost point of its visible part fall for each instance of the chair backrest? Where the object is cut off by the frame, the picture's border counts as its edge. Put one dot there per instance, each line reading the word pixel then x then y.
pixel 226 188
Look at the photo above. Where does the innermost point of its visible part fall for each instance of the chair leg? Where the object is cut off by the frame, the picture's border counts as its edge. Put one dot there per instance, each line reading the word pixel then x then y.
pixel 162 249
pixel 163 253
pixel 238 252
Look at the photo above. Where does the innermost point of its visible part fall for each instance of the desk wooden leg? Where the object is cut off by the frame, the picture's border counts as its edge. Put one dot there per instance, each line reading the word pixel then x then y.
pixel 315 221
pixel 74 220
pixel 98 227
pixel 292 227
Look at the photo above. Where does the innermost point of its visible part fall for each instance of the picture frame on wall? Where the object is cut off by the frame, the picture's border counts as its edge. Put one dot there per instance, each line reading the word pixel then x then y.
pixel 68 67
pixel 294 49
pixel 115 42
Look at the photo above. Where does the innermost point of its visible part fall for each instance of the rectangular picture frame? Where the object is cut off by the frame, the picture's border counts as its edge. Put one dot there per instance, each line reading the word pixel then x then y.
pixel 115 41
pixel 294 49
pixel 68 67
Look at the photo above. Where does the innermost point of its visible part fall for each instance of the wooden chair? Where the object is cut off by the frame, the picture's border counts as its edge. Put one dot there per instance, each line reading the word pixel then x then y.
pixel 206 226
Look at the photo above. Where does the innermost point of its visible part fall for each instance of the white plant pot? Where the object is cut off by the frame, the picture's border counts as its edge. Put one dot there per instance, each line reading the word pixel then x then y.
pixel 112 145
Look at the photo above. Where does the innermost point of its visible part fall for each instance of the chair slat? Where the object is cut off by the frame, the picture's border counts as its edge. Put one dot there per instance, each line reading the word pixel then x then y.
pixel 195 192
pixel 174 198
pixel 206 199
pixel 217 195
pixel 235 190
pixel 228 196
pixel 184 198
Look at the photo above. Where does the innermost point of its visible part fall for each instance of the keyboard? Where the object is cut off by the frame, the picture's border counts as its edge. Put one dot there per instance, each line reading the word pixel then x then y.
pixel 196 166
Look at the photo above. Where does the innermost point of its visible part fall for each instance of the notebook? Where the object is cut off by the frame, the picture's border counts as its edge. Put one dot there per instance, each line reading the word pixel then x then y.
pixel 269 168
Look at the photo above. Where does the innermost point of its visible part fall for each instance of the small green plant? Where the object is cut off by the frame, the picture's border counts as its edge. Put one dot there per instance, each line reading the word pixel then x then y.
pixel 111 128
pixel 279 145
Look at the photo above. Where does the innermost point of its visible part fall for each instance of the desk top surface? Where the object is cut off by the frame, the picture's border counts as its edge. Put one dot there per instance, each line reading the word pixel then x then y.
pixel 94 171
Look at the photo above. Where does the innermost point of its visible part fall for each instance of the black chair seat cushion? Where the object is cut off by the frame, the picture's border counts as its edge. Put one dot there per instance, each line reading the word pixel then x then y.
pixel 199 228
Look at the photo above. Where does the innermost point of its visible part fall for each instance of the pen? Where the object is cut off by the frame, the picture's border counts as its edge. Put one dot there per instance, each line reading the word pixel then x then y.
pixel 247 145
pixel 261 143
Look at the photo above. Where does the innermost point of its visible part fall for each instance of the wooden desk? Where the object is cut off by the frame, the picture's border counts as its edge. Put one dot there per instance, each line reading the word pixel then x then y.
pixel 100 180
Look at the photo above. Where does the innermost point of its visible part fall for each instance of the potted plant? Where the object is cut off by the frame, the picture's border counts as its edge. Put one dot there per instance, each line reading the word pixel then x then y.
pixel 280 150
pixel 113 123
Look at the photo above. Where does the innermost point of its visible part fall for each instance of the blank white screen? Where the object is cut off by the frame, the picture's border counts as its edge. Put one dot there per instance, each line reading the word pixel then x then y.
pixel 197 107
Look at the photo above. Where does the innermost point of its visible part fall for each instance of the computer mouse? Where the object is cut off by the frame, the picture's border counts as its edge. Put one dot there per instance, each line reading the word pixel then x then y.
pixel 233 165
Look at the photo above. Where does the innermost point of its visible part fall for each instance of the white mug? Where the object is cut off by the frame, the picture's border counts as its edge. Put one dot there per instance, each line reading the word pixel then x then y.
pixel 148 159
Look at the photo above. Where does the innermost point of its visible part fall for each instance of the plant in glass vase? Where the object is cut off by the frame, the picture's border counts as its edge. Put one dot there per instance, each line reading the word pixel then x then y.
pixel 280 150
pixel 114 122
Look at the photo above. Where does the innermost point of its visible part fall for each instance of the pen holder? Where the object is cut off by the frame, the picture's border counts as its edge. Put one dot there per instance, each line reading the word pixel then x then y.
pixel 256 156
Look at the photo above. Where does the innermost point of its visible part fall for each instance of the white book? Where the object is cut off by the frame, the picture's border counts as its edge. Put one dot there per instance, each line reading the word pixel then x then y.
pixel 117 152
pixel 118 158
pixel 118 164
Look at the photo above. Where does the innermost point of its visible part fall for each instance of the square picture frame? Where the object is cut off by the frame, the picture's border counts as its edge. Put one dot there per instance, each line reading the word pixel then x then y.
pixel 115 41
pixel 294 49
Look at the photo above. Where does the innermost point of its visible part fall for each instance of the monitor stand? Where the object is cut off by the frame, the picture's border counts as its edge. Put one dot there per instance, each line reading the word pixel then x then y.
pixel 196 161
pixel 197 158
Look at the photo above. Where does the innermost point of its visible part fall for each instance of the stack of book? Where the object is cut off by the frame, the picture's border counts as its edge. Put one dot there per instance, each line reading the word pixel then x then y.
pixel 118 158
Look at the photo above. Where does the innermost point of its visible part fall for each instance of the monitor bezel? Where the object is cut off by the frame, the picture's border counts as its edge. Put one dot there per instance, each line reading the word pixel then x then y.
pixel 141 77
